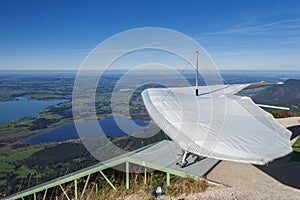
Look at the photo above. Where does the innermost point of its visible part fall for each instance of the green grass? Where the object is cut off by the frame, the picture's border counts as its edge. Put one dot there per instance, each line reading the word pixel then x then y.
pixel 178 186
pixel 15 155
pixel 296 145
pixel 48 115
pixel 296 149
pixel 5 167
pixel 3 151
pixel 9 160
pixel 2 182
pixel 15 127
pixel 23 172
pixel 9 157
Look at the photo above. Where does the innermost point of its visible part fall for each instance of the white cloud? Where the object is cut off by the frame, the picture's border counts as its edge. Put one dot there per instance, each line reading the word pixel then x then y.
pixel 283 25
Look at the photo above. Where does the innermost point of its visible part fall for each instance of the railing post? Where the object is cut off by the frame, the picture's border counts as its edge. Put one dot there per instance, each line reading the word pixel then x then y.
pixel 168 178
pixel 75 190
pixel 96 188
pixel 145 176
pixel 127 175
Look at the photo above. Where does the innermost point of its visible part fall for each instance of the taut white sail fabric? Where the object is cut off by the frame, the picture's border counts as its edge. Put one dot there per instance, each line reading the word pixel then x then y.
pixel 217 123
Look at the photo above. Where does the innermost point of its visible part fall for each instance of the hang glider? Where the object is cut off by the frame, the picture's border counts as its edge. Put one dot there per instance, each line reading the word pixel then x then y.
pixel 217 123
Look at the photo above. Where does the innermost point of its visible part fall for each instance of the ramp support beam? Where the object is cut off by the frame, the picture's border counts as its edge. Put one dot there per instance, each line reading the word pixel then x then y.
pixel 64 191
pixel 110 183
pixel 45 194
pixel 85 185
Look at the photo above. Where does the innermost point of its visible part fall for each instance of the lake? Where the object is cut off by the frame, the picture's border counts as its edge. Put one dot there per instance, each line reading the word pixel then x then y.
pixel 68 131
pixel 23 107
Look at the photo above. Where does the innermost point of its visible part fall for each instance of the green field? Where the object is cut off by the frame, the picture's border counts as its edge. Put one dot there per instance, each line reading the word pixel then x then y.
pixel 20 154
pixel 8 159
pixel 10 167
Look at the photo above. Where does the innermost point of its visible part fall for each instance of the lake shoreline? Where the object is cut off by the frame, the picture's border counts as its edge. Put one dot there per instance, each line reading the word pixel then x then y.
pixel 12 140
pixel 111 126
pixel 23 107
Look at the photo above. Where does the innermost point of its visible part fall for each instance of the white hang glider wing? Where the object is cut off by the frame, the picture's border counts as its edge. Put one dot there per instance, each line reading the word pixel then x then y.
pixel 217 123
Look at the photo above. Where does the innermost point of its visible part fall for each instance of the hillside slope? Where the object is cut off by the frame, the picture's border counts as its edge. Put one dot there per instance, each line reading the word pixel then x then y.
pixel 287 94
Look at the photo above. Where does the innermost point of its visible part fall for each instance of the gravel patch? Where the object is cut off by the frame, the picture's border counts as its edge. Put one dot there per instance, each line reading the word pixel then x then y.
pixel 241 181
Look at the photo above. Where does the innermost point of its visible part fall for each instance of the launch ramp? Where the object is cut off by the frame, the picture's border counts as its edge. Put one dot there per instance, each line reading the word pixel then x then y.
pixel 161 156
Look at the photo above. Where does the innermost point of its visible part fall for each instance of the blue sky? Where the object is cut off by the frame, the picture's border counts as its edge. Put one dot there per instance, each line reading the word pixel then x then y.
pixel 57 34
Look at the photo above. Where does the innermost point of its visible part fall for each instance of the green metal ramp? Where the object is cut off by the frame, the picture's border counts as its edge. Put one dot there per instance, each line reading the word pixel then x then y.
pixel 161 156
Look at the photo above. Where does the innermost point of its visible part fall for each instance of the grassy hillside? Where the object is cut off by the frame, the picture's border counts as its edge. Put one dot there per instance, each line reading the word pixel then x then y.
pixel 287 95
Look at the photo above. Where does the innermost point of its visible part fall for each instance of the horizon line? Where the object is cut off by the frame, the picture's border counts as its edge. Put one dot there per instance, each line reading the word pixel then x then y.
pixel 145 70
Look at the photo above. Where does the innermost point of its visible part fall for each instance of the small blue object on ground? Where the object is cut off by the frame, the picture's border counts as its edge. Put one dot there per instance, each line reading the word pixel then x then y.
pixel 158 190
